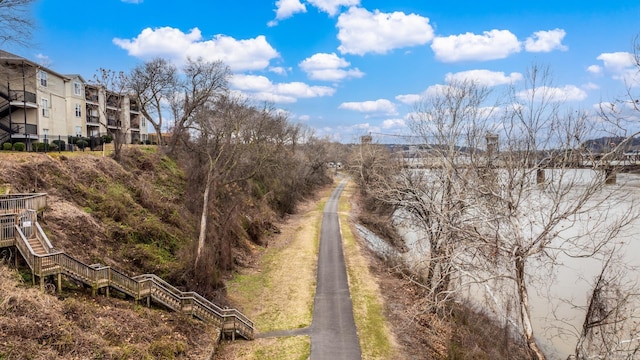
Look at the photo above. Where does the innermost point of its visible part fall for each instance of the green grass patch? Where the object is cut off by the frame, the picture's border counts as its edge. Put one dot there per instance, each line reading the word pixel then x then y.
pixel 367 304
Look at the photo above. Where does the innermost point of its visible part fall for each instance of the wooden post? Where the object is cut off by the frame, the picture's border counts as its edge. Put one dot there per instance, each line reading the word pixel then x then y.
pixel 149 301
pixel 41 283
pixel 540 176
pixel 107 290
pixel 610 176
pixel 59 283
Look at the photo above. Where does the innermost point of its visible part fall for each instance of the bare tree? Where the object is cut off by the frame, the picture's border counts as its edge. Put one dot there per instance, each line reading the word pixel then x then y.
pixel 153 85
pixel 15 22
pixel 448 127
pixel 203 82
pixel 611 328
pixel 113 84
pixel 521 218
pixel 499 200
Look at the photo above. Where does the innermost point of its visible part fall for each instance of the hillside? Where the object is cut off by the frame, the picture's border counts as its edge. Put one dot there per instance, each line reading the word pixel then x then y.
pixel 127 215
pixel 36 325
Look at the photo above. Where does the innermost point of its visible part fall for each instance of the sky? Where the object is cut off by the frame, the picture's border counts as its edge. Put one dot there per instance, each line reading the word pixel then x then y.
pixel 347 68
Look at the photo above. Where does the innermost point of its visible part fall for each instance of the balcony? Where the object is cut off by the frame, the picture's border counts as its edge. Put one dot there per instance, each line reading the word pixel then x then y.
pixel 19 131
pixel 18 98
pixel 93 120
pixel 134 107
pixel 92 98
pixel 114 101
pixel 113 123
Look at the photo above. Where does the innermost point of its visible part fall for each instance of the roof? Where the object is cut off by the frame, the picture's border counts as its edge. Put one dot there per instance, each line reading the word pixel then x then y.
pixel 9 57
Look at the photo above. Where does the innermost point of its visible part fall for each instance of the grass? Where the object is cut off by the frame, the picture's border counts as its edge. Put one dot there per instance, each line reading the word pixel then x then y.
pixel 279 296
pixel 291 348
pixel 376 339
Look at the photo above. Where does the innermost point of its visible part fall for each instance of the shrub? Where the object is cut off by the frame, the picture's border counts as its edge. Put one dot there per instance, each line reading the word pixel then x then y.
pixel 60 144
pixel 82 143
pixel 7 146
pixel 107 139
pixel 39 146
pixel 19 146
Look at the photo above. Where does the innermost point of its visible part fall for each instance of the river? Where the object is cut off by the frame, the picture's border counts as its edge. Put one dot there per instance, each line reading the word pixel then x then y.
pixel 558 295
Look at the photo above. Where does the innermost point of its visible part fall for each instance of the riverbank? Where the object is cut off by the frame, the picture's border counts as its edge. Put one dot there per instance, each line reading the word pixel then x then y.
pixel 277 292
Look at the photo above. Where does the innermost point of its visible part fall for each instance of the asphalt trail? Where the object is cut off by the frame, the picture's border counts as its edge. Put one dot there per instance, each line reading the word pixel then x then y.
pixel 333 330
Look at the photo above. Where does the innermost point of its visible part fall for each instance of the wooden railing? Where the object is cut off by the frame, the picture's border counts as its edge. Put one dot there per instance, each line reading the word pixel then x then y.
pixel 98 276
pixel 15 203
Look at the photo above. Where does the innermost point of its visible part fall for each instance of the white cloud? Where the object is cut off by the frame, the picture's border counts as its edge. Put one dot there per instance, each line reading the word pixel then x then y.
pixel 393 123
pixel 43 60
pixel 590 86
pixel 249 54
pixel 617 60
pixel 491 45
pixel 331 7
pixel 595 69
pixel 279 70
pixel 286 9
pixel 328 67
pixel 376 106
pixel 304 117
pixel 555 94
pixel 484 77
pixel 409 99
pixel 132 1
pixel 261 88
pixel 546 41
pixel 433 90
pixel 621 66
pixel 361 32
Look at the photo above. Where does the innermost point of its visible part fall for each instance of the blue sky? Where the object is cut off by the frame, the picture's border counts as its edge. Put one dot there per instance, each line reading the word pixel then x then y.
pixel 349 67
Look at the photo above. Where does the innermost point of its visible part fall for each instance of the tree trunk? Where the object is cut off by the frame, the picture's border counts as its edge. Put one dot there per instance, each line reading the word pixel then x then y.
pixel 203 219
pixel 525 317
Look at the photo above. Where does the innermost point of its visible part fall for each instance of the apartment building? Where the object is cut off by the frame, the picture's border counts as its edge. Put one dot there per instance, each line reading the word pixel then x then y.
pixel 37 103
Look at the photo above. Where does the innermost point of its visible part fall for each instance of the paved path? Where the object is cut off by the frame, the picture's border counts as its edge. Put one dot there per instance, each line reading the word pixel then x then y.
pixel 333 330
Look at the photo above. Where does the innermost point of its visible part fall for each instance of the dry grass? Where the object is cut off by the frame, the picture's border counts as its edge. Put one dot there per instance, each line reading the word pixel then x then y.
pixel 34 325
pixel 278 292
pixel 291 348
pixel 376 339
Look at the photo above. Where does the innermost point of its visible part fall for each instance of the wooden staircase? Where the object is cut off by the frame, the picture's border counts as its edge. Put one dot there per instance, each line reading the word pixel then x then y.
pixel 19 228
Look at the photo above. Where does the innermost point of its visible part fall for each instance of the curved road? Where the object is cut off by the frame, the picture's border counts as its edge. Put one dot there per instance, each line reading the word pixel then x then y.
pixel 333 330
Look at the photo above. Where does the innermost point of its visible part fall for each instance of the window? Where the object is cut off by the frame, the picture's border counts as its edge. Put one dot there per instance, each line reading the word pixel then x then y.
pixel 45 132
pixel 78 110
pixel 44 103
pixel 78 130
pixel 77 88
pixel 43 78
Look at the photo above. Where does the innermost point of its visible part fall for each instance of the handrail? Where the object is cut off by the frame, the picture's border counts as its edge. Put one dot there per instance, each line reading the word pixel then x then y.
pixel 204 301
pixel 139 287
pixel 13 203
pixel 43 238
pixel 25 248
